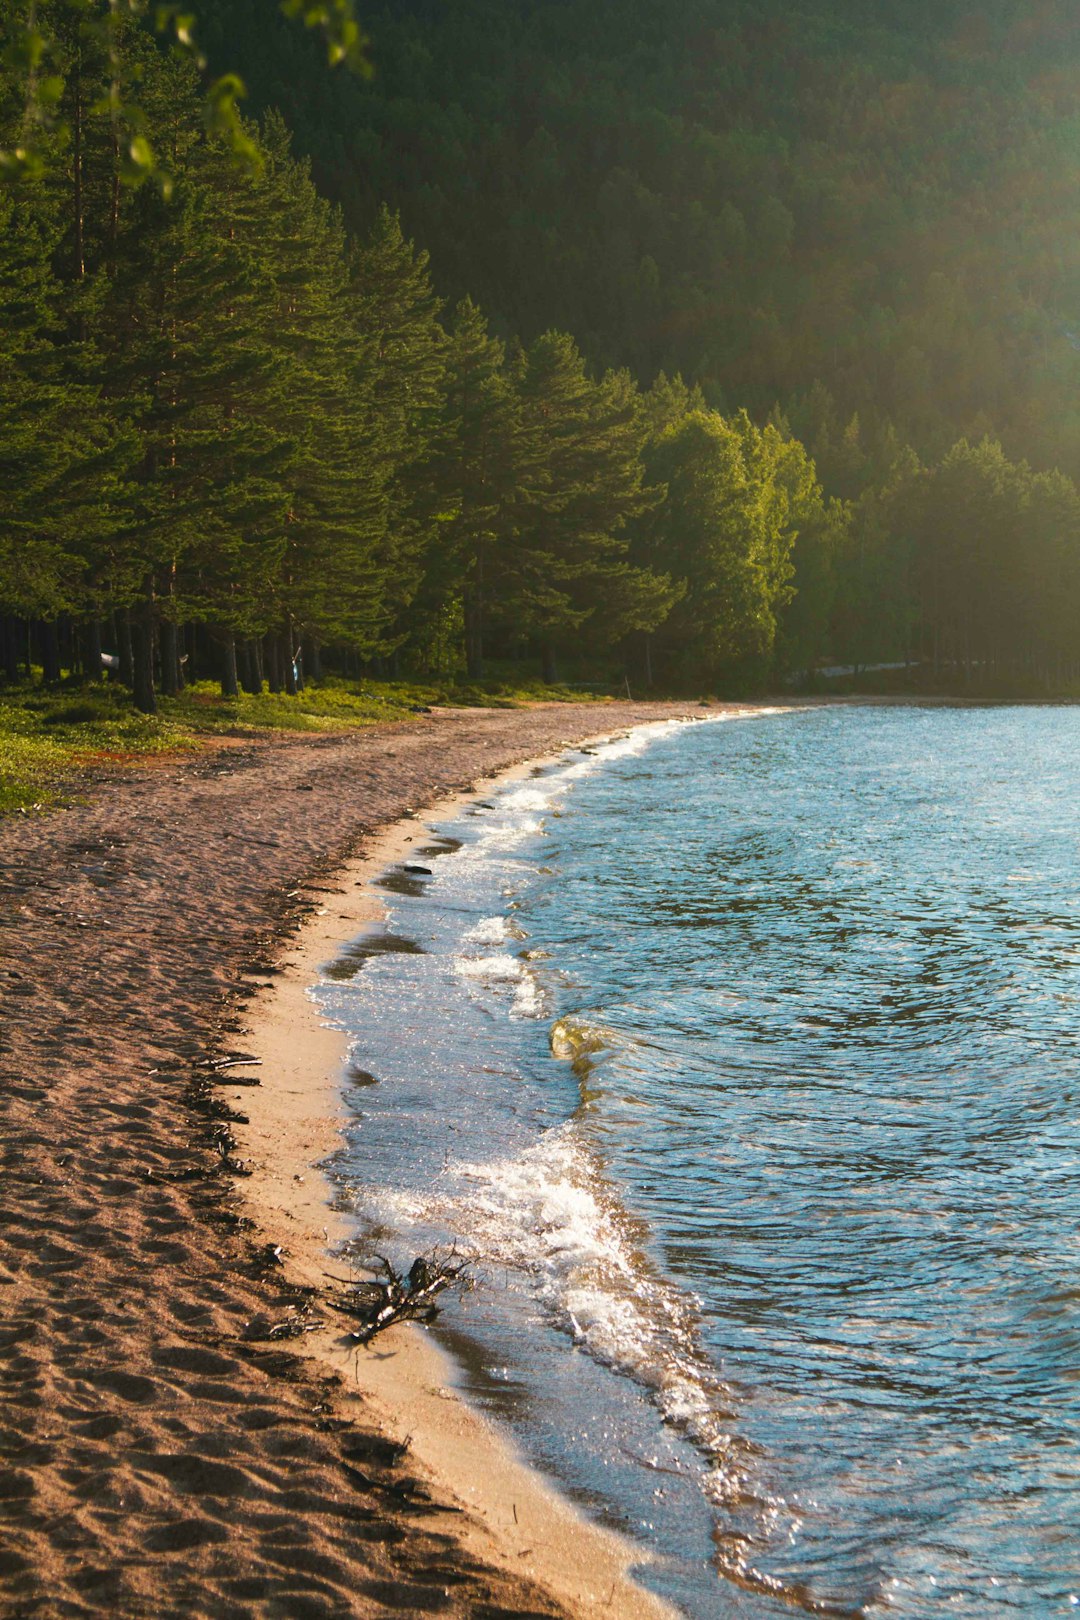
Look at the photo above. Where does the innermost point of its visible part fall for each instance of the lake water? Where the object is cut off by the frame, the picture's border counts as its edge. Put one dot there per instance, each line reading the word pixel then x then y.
pixel 742 1059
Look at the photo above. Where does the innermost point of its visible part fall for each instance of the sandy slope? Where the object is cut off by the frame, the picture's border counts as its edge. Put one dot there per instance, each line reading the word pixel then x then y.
pixel 155 1459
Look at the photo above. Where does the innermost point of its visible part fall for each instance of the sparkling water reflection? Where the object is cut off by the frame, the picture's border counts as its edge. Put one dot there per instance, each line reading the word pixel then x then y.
pixel 800 1159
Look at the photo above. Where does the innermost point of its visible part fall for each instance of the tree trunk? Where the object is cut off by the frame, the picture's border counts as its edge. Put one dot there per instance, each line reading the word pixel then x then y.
pixel 142 649
pixel 12 639
pixel 250 679
pixel 10 647
pixel 288 667
pixel 125 651
pixel 172 682
pixel 648 663
pixel 114 195
pixel 547 664
pixel 170 638
pixel 272 646
pixel 190 670
pixel 91 645
pixel 474 633
pixel 50 652
pixel 77 145
pixel 229 685
pixel 313 658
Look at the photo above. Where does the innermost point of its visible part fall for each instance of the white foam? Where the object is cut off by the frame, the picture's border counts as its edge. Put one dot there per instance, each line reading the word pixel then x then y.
pixel 548 1215
pixel 518 811
pixel 532 799
pixel 488 931
pixel 530 1001
pixel 506 834
pixel 548 1212
pixel 500 969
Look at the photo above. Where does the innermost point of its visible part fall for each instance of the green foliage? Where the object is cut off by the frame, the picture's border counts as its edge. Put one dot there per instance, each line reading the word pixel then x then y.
pixel 42 49
pixel 860 209
pixel 404 376
pixel 736 496
pixel 580 486
pixel 239 442
pixel 62 459
pixel 335 20
pixel 31 771
pixel 478 452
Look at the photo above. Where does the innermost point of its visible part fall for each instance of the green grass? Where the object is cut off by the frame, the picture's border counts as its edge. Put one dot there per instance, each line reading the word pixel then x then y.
pixel 48 736
pixel 31 770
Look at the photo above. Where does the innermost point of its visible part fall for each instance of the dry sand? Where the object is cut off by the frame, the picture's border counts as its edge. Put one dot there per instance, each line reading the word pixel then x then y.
pixel 156 1457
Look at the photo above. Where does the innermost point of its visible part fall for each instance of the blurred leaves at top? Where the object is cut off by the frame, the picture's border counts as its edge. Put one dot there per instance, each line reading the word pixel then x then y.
pixel 50 46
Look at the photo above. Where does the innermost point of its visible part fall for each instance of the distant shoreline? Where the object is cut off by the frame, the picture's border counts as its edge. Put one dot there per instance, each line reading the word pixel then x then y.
pixel 955 700
pixel 916 700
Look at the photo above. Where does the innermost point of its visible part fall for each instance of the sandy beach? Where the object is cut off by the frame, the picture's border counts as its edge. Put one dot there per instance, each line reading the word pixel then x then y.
pixel 403 1380
pixel 160 1454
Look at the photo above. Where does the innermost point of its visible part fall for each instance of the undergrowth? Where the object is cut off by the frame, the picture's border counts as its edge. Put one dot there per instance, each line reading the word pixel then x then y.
pixel 47 736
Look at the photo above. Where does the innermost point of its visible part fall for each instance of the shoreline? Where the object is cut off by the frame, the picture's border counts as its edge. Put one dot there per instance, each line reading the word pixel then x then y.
pixel 514 1516
pixel 159 1454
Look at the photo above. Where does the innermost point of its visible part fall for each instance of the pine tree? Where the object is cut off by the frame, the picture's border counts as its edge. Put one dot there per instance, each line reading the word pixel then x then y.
pixel 190 310
pixel 668 401
pixel 332 581
pixel 402 376
pixel 476 472
pixel 62 458
pixel 579 487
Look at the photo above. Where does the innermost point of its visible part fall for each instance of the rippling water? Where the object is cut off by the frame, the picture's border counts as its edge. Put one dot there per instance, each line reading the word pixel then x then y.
pixel 743 1058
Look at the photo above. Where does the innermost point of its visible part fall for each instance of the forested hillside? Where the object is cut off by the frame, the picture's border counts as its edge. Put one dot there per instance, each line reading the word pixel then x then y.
pixel 743 348
pixel 842 205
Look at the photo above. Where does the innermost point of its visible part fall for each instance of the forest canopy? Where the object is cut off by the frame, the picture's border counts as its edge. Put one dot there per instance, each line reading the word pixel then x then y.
pixel 714 345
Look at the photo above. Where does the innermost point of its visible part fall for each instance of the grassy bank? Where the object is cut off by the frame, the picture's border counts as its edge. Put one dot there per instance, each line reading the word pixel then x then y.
pixel 49 736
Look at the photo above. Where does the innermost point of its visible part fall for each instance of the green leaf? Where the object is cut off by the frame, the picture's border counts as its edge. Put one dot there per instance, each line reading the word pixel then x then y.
pixel 221 115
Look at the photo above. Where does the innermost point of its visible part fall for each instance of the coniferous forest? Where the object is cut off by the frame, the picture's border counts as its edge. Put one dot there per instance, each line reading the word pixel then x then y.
pixel 714 344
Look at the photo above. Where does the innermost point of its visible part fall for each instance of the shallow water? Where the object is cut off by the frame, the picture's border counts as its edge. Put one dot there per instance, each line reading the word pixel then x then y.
pixel 742 1057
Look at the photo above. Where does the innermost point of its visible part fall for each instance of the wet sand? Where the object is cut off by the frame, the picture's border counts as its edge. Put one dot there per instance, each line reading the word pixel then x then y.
pixel 402 1379
pixel 158 1457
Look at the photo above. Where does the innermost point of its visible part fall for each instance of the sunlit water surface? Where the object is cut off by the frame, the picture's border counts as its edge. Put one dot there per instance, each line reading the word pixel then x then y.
pixel 742 1059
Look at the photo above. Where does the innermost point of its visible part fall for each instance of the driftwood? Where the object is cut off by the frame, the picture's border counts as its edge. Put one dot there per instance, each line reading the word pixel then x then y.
pixel 398 1298
pixel 294 1325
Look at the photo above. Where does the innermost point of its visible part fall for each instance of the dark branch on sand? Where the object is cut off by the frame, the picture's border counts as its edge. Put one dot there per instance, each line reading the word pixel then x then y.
pixel 398 1298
